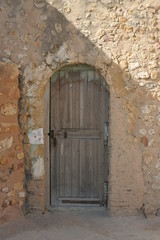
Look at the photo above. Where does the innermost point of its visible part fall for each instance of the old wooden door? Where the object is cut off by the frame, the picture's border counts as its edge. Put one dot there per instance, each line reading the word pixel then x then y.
pixel 79 118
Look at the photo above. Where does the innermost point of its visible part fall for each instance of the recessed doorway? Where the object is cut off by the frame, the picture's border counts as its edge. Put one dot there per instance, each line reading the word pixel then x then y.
pixel 79 136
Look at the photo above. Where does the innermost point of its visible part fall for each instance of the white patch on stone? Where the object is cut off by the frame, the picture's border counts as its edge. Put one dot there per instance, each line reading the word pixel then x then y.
pixel 5 190
pixel 37 168
pixel 133 66
pixel 143 75
pixel 142 131
pixel 6 144
pixel 36 136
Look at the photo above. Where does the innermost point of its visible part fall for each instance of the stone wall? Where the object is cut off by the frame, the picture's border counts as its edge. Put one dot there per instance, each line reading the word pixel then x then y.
pixel 12 192
pixel 121 39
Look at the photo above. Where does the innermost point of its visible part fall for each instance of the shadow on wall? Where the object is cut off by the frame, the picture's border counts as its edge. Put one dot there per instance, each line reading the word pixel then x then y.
pixel 63 44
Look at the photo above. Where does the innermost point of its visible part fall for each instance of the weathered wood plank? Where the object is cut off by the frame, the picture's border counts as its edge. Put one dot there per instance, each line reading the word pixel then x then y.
pixel 61 170
pixel 68 168
pixel 75 168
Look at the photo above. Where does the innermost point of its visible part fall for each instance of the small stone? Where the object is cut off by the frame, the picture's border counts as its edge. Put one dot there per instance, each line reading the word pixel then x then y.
pixel 156 186
pixel 123 64
pixel 158 212
pixel 43 17
pixel 14 166
pixel 18 187
pixel 11 194
pixel 67 9
pixel 5 203
pixel 88 15
pixel 151 131
pixel 144 141
pixel 21 194
pixel 4 178
pixel 122 19
pixel 8 109
pixel 152 64
pixel 148 120
pixel 95 24
pixel 5 190
pixel 154 75
pixel 58 27
pixel 143 131
pixel 3 161
pixel 100 33
pixel 151 143
pixel 39 3
pixel 143 75
pixel 147 157
pixel 6 143
pixel 20 165
pixel 20 155
pixel 18 147
pixel 133 66
pixel 86 23
pixel 148 109
pixel 7 52
pixel 157 166
pixel 13 202
pixel 102 17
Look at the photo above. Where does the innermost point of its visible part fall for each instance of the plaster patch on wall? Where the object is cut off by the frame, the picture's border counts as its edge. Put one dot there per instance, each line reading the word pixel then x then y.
pixel 38 168
pixel 36 136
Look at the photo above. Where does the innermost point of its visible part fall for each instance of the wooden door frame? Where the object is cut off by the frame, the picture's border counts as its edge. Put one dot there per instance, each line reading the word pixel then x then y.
pixel 47 148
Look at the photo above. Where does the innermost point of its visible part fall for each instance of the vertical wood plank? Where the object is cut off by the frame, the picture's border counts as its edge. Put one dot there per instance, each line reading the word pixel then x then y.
pixel 90 99
pixel 90 168
pixel 68 167
pixel 70 104
pixel 61 173
pixel 81 103
pixel 64 100
pixel 76 100
pixel 75 168
pixel 82 160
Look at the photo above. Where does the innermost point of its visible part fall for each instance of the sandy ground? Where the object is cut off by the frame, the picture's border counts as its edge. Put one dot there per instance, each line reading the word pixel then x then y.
pixel 81 224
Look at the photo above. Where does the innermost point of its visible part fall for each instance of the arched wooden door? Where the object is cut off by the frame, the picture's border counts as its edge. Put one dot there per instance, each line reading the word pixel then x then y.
pixel 79 119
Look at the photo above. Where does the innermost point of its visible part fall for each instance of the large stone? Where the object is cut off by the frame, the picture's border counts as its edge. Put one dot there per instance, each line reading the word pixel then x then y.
pixel 20 155
pixel 5 190
pixel 8 109
pixel 6 144
pixel 4 161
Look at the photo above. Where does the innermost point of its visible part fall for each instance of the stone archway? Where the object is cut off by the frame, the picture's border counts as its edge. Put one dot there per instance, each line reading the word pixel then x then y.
pixel 126 180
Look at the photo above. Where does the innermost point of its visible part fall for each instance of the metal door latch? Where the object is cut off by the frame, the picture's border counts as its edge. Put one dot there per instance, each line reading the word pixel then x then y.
pixel 52 136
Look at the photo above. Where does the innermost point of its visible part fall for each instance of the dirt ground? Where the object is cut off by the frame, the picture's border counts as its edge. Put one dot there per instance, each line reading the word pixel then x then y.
pixel 81 224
